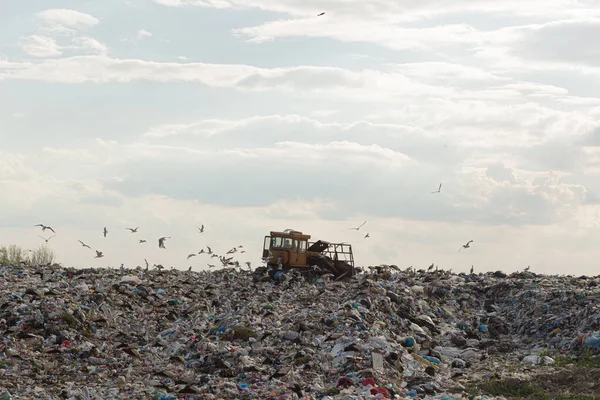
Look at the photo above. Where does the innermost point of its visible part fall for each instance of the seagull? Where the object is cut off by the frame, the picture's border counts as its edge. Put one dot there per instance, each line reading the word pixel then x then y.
pixel 466 246
pixel 134 230
pixel 361 225
pixel 147 264
pixel 161 242
pixel 190 268
pixel 318 15
pixel 201 229
pixel 209 250
pixel 211 266
pixel 439 189
pixel 527 269
pixel 105 231
pixel 142 240
pixel 472 269
pixel 430 267
pixel 99 254
pixel 84 245
pixel 44 227
pixel 191 255
pixel 367 236
pixel 46 240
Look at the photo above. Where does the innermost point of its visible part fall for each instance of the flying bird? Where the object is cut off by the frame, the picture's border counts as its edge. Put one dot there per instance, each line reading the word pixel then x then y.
pixel 46 240
pixel 84 245
pixel 318 15
pixel 99 254
pixel 466 246
pixel 367 236
pixel 142 240
pixel 191 255
pixel 44 227
pixel 361 225
pixel 161 241
pixel 439 189
pixel 134 230
pixel 201 229
pixel 105 231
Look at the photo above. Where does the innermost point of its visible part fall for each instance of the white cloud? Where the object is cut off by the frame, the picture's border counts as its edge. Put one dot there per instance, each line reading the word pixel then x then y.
pixel 40 46
pixel 142 33
pixel 61 33
pixel 90 45
pixel 390 9
pixel 61 19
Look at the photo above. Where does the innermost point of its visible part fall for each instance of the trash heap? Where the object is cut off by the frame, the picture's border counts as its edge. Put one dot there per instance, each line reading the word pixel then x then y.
pixel 133 334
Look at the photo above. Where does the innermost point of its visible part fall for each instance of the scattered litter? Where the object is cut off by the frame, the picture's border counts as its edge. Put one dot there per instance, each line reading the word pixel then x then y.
pixel 115 333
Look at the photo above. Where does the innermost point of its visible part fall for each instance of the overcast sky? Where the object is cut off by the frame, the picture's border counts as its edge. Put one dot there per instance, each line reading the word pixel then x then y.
pixel 256 115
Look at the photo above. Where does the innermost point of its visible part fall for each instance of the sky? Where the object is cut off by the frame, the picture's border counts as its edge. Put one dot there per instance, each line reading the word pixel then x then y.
pixel 248 116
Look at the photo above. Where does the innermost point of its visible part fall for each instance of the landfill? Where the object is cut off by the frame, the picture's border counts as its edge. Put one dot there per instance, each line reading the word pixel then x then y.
pixel 105 333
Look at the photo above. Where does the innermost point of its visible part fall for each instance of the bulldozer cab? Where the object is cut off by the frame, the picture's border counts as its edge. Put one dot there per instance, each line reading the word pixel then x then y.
pixel 288 248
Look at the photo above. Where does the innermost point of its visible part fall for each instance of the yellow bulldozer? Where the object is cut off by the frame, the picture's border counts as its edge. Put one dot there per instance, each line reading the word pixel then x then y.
pixel 293 250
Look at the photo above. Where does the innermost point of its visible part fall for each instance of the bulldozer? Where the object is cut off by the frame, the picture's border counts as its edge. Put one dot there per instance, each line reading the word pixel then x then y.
pixel 292 250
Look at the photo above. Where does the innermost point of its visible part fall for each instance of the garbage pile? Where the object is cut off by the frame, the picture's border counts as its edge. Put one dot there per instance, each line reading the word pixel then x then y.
pixel 84 334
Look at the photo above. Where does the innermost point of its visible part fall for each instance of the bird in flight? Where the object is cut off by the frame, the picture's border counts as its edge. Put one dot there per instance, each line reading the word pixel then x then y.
pixel 105 231
pixel 44 227
pixel 466 246
pixel 191 255
pixel 361 225
pixel 439 189
pixel 133 230
pixel 318 15
pixel 201 229
pixel 142 240
pixel 99 254
pixel 46 240
pixel 367 236
pixel 84 245
pixel 161 241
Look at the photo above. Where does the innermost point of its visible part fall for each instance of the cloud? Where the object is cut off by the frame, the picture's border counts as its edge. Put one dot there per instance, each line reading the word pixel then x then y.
pixel 61 30
pixel 64 19
pixel 142 33
pixel 388 9
pixel 344 169
pixel 80 69
pixel 564 42
pixel 40 46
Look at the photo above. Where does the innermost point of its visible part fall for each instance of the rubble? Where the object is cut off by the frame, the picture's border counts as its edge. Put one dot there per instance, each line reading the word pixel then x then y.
pixel 76 334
